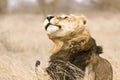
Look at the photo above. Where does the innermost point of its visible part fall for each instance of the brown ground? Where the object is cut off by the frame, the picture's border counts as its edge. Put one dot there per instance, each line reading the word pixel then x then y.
pixel 23 41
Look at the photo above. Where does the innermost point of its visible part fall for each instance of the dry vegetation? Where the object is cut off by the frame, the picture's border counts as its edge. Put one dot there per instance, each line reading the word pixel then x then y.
pixel 23 41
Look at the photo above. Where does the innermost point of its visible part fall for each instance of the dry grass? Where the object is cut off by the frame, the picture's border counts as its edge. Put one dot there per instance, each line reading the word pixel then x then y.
pixel 23 41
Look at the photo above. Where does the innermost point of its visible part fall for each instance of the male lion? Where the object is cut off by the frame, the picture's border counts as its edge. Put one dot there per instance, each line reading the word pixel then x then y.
pixel 75 55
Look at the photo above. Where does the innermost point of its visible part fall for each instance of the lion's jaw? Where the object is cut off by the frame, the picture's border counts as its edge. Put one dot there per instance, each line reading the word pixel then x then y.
pixel 64 29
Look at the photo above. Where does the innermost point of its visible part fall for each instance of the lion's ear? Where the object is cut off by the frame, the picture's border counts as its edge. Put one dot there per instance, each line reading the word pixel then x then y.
pixel 82 19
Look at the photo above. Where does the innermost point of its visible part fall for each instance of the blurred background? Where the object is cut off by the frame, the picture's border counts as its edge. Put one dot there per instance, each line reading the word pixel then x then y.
pixel 57 6
pixel 23 39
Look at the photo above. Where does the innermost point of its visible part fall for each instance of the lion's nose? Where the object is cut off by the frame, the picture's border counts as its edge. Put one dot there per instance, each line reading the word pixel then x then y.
pixel 50 17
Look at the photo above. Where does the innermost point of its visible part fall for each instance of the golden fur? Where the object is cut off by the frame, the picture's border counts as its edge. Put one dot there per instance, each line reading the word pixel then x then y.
pixel 72 26
pixel 74 44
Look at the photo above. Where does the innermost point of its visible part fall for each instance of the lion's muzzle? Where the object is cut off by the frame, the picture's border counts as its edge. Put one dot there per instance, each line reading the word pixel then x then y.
pixel 49 27
pixel 47 21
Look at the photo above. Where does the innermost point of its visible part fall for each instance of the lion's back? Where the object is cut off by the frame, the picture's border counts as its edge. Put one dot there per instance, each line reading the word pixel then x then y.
pixel 103 70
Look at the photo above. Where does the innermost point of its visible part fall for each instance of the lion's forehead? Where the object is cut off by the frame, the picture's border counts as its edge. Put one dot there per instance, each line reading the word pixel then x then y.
pixel 65 18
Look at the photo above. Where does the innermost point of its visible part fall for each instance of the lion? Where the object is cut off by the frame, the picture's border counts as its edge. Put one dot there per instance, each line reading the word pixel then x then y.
pixel 75 55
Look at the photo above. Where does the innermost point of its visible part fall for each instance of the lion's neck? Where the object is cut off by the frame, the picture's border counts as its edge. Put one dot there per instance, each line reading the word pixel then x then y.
pixel 57 46
pixel 62 44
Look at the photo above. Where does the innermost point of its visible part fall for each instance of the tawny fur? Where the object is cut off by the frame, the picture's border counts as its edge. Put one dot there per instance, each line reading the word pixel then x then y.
pixel 78 48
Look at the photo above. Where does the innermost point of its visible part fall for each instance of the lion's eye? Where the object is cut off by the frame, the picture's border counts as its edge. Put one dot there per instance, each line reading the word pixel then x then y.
pixel 64 17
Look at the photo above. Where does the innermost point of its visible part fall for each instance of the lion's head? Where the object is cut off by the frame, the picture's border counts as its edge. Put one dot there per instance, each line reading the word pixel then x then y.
pixel 66 28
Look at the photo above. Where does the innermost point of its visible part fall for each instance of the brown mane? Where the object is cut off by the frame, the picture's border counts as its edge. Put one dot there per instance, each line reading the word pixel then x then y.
pixel 74 55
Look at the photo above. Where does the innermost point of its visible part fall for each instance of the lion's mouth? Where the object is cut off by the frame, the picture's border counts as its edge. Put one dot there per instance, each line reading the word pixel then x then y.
pixel 51 28
pixel 49 24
